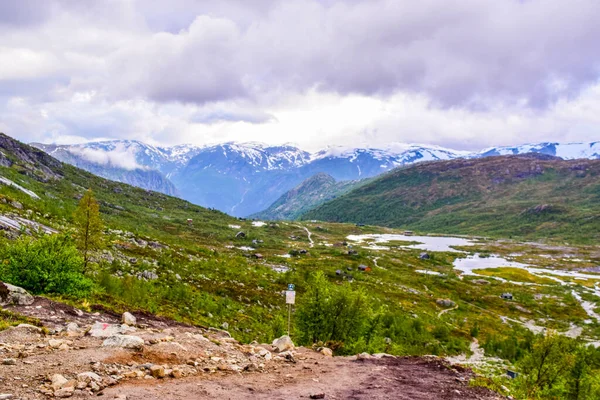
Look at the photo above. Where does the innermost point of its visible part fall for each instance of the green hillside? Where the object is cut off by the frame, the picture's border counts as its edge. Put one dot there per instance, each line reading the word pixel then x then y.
pixel 528 196
pixel 312 192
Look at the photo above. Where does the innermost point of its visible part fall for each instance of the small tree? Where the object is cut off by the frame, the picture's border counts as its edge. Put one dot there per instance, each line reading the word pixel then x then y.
pixel 88 226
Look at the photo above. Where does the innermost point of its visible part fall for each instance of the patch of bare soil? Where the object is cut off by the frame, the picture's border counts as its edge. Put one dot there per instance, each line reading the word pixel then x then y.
pixel 414 378
pixel 175 361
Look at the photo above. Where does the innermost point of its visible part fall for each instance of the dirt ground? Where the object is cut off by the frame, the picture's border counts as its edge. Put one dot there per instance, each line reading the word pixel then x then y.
pixel 337 378
pixel 204 363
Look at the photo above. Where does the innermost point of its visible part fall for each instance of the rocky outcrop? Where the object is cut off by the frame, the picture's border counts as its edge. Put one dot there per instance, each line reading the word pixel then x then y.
pixel 10 294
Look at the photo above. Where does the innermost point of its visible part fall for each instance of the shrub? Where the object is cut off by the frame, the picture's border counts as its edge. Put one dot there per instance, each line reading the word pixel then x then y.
pixel 50 264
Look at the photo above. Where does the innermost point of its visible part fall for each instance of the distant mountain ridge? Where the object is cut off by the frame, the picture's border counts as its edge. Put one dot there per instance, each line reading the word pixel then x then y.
pixel 246 178
pixel 522 195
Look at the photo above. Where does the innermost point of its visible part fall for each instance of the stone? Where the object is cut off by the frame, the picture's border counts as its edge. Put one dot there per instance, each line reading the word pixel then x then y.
pixel 58 381
pixel 72 329
pixel 100 329
pixel 55 343
pixel 363 356
pixel 176 373
pixel 9 361
pixel 446 303
pixel 157 371
pixel 326 352
pixel 128 319
pixel 317 396
pixel 6 396
pixel 64 392
pixel 121 397
pixel 10 294
pixel 283 343
pixel 124 341
pixel 88 377
pixel 148 275
pixel 424 256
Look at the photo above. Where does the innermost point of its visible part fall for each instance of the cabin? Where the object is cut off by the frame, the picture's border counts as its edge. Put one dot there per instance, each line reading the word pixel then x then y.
pixel 511 374
pixel 258 256
pixel 507 296
pixel 408 233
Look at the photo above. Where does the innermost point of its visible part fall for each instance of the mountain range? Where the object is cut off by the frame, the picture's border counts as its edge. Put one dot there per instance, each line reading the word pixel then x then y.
pixel 246 178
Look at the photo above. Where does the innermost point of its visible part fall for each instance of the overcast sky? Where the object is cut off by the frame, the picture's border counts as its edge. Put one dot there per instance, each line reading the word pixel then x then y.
pixel 464 74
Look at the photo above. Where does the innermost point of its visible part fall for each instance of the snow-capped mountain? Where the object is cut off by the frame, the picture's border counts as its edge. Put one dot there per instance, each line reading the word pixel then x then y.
pixel 244 178
pixel 567 151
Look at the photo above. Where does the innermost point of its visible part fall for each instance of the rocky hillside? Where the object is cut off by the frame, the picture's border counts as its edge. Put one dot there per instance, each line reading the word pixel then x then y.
pixel 526 196
pixel 312 192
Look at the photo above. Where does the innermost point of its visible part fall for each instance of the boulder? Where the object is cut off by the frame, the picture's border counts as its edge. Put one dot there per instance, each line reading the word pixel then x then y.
pixel 128 319
pixel 446 303
pixel 10 294
pixel 481 282
pixel 124 341
pixel 284 343
pixel 424 256
pixel 100 329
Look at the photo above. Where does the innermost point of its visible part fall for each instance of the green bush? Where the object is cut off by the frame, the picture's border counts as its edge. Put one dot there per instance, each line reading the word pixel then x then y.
pixel 331 313
pixel 50 264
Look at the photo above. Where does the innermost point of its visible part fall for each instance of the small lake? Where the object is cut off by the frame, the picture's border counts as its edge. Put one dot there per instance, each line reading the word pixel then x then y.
pixel 429 243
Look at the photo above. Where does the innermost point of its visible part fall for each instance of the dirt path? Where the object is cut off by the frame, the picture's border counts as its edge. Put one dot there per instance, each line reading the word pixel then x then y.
pixel 337 378
pixel 199 363
pixel 309 233
pixel 447 310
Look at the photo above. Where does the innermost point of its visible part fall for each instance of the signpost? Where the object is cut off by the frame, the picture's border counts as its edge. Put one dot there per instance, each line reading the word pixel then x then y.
pixel 290 298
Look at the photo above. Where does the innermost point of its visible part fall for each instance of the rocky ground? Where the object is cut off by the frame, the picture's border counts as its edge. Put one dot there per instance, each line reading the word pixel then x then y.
pixel 78 355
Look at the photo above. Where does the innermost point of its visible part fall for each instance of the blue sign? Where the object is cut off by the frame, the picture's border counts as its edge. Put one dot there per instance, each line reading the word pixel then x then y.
pixel 291 286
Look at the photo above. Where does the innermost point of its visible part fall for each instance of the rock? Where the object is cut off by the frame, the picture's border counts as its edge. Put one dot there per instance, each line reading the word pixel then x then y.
pixel 10 294
pixel 317 396
pixel 121 397
pixel 16 205
pixel 55 343
pixel 9 361
pixel 148 275
pixel 424 256
pixel 100 329
pixel 363 356
pixel 6 396
pixel 58 381
pixel 225 325
pixel 284 343
pixel 326 352
pixel 88 377
pixel 72 327
pixel 28 328
pixel 157 371
pixel 128 319
pixel 124 341
pixel 446 303
pixel 176 373
pixel 64 392
pixel 481 282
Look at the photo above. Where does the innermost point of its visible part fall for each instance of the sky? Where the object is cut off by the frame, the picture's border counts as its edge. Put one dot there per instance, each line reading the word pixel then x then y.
pixel 463 74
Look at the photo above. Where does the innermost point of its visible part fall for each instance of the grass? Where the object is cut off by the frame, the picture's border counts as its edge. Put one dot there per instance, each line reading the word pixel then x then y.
pixel 8 319
pixel 515 275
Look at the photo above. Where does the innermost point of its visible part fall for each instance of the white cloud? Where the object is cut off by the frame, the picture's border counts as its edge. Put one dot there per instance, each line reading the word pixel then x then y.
pixel 119 157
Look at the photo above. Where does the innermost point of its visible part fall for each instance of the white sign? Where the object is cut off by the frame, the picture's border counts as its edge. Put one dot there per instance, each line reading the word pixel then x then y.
pixel 290 297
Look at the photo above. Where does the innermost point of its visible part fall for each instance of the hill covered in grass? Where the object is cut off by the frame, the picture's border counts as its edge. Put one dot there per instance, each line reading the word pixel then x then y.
pixel 312 192
pixel 527 196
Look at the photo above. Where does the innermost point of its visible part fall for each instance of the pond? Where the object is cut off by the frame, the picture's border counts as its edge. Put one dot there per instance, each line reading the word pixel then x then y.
pixel 429 243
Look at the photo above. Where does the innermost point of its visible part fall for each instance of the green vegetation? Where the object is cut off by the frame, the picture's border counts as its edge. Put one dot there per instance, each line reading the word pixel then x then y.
pixel 88 226
pixel 514 275
pixel 511 197
pixel 50 264
pixel 312 192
